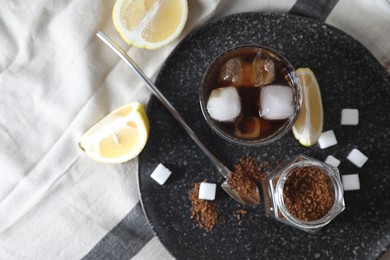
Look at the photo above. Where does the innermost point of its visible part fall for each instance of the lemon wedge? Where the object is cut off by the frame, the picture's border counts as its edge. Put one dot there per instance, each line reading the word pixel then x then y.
pixel 118 137
pixel 308 127
pixel 149 24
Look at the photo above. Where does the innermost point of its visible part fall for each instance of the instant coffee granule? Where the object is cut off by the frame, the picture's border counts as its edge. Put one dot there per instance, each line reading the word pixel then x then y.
pixel 245 174
pixel 203 211
pixel 242 184
pixel 307 193
pixel 241 213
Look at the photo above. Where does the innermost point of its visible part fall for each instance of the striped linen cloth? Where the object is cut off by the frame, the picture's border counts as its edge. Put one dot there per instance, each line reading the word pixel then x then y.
pixel 57 79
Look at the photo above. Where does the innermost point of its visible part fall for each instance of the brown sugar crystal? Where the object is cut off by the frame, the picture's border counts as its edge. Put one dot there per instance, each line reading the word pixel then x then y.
pixel 203 211
pixel 307 193
pixel 246 172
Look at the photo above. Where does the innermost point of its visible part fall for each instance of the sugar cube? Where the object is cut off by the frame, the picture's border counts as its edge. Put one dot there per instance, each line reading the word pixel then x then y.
pixel 207 191
pixel 327 139
pixel 161 174
pixel 331 160
pixel 350 182
pixel 357 157
pixel 349 116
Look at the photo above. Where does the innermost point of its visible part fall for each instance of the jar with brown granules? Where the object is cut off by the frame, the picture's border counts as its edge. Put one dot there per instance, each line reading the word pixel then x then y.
pixel 305 193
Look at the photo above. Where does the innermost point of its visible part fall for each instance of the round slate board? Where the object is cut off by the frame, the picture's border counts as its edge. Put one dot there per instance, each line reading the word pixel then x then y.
pixel 349 77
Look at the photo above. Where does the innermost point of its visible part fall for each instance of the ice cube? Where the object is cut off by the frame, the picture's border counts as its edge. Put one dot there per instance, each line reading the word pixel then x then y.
pixel 349 116
pixel 231 71
pixel 238 73
pixel 224 104
pixel 327 139
pixel 357 158
pixel 248 128
pixel 264 70
pixel 242 73
pixel 350 182
pixel 207 191
pixel 160 174
pixel 331 160
pixel 276 102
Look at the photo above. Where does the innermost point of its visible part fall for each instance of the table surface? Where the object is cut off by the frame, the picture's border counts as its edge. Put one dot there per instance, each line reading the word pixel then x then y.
pixel 57 79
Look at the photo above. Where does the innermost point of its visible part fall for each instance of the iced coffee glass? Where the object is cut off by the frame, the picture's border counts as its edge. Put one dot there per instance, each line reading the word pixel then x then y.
pixel 250 95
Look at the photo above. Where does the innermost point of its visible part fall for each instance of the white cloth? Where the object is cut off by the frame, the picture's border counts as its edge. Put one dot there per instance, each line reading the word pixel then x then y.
pixel 57 79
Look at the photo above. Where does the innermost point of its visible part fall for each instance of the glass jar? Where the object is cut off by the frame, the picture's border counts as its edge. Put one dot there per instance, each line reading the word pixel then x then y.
pixel 276 193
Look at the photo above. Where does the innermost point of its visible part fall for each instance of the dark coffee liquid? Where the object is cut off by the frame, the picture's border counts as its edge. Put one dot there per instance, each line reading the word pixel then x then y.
pixel 249 94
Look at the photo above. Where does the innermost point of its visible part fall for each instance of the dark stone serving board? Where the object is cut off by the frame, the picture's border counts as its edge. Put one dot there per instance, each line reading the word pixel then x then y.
pixel 349 77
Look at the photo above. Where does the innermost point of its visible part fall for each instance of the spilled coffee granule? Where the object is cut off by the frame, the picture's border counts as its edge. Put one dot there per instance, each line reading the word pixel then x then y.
pixel 245 174
pixel 307 193
pixel 202 210
pixel 241 213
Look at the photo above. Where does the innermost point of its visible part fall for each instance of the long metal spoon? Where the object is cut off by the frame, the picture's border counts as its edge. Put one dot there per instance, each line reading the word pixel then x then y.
pixel 249 200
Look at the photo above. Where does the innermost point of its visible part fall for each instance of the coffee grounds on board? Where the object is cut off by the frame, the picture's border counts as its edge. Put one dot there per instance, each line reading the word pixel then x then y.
pixel 307 193
pixel 203 211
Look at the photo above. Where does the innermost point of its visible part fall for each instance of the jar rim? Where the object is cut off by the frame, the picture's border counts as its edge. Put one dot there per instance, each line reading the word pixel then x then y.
pixel 332 174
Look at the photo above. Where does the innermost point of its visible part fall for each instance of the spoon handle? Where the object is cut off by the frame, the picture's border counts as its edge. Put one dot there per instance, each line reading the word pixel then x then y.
pixel 123 55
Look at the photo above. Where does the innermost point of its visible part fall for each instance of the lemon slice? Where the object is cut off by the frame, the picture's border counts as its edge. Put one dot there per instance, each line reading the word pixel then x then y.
pixel 149 24
pixel 308 127
pixel 118 137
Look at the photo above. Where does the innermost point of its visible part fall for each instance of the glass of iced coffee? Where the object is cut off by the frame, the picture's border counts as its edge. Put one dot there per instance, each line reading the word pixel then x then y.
pixel 250 95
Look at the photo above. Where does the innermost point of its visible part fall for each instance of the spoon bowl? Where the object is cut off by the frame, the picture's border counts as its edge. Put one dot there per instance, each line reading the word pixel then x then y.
pixel 222 169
